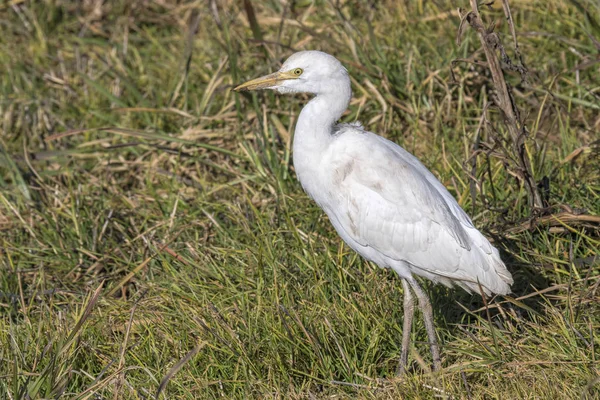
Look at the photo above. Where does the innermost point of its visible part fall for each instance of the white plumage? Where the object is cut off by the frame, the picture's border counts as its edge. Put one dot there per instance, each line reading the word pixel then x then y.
pixel 381 200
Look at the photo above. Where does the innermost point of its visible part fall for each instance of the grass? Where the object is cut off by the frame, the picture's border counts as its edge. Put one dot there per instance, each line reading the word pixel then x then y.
pixel 152 229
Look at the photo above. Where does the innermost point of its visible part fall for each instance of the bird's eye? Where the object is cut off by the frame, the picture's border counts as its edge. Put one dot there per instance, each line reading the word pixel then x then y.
pixel 297 71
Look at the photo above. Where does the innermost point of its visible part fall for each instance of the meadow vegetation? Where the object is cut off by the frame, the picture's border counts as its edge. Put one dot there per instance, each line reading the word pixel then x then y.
pixel 152 229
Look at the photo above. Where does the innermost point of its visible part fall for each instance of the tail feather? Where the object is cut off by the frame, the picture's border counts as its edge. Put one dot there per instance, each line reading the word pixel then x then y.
pixel 493 277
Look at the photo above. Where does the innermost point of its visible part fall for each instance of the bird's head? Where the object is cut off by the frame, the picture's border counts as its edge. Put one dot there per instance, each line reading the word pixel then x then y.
pixel 304 72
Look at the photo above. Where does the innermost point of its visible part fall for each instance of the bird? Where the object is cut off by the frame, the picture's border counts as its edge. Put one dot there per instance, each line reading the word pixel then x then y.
pixel 382 201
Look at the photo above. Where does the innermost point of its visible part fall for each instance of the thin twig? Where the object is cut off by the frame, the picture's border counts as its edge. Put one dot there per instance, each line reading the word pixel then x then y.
pixel 503 99
pixel 554 220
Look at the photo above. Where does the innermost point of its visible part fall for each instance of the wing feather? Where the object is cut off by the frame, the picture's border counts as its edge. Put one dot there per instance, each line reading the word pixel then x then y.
pixel 383 198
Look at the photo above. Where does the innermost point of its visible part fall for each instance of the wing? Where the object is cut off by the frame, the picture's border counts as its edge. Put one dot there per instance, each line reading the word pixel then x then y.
pixel 385 199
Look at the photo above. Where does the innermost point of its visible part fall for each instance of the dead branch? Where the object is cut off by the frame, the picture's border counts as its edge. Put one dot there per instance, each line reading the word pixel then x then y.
pixel 564 219
pixel 503 98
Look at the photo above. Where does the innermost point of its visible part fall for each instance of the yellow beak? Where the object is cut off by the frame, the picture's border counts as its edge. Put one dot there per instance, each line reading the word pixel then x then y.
pixel 267 81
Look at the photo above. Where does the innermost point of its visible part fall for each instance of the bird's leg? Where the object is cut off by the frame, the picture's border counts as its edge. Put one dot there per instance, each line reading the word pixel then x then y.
pixel 409 312
pixel 425 306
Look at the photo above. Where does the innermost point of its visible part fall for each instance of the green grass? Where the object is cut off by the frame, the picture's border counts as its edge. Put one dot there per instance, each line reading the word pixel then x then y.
pixel 148 215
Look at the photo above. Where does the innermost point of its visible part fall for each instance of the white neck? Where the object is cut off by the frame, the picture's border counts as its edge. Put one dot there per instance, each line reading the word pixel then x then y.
pixel 314 129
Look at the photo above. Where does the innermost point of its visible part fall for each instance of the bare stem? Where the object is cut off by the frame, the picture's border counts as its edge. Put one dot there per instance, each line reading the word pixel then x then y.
pixel 503 99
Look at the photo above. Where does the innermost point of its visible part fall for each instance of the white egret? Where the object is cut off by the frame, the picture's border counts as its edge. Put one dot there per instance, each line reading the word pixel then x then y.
pixel 381 200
